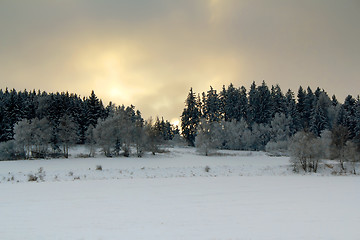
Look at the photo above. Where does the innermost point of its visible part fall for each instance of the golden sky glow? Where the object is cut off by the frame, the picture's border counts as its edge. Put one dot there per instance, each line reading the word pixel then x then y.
pixel 149 53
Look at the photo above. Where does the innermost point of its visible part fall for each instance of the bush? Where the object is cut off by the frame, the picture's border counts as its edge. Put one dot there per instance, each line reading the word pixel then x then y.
pixel 207 169
pixel 32 178
pixel 279 148
pixel 305 151
pixel 98 167
pixel 11 151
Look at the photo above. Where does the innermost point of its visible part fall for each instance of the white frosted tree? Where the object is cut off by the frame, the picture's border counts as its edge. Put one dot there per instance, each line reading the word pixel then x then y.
pixel 279 134
pixel 106 135
pixel 305 151
pixel 42 133
pixel 208 137
pixel 234 135
pixel 325 139
pixel 33 137
pixel 24 137
pixel 90 140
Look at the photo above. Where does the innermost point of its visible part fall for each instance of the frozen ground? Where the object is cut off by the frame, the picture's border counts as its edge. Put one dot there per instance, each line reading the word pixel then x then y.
pixel 244 195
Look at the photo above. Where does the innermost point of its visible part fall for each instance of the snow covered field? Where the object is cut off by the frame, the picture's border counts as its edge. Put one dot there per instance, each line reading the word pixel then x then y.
pixel 242 195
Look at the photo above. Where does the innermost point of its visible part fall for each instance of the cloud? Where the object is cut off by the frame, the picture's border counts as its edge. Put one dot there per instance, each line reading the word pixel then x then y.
pixel 149 53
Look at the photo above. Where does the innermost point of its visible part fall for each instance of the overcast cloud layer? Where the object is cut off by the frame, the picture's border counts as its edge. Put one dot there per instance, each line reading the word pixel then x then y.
pixel 150 52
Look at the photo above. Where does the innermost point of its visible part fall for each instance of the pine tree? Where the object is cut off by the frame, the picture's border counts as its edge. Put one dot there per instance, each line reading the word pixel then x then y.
pixel 242 106
pixel 320 115
pixel 277 101
pixel 253 103
pixel 291 111
pixel 230 100
pixel 190 118
pixel 94 108
pixel 349 115
pixel 300 107
pixel 212 106
pixel 264 104
pixel 310 103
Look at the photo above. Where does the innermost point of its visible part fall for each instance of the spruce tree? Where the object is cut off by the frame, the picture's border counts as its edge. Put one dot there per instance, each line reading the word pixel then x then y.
pixel 212 106
pixel 300 106
pixel 190 118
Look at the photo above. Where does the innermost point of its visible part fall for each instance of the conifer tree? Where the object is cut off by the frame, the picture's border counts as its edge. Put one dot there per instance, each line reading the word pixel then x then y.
pixel 190 118
pixel 300 107
pixel 277 101
pixel 212 106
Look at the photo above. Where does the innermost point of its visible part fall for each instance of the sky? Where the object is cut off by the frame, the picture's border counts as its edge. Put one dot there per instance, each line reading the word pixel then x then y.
pixel 149 53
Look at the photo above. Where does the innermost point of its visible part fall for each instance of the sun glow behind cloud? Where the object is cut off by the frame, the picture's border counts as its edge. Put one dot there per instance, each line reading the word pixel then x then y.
pixel 149 53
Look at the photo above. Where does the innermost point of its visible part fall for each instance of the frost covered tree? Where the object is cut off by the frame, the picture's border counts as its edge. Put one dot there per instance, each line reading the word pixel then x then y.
pixel 90 140
pixel 34 137
pixel 305 151
pixel 24 136
pixel 106 135
pixel 233 134
pixel 325 140
pixel 153 137
pixel 209 137
pixel 262 135
pixel 279 134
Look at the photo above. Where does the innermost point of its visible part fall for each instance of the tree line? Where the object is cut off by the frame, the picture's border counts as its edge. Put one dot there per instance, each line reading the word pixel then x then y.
pixel 264 118
pixel 35 124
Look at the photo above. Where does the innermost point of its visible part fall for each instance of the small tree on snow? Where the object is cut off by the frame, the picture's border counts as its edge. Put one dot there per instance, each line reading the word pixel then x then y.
pixel 90 140
pixel 305 151
pixel 208 136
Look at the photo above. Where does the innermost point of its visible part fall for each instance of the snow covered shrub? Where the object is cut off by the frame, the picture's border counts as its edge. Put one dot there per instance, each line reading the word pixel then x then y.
pixel 178 141
pixel 279 148
pixel 11 151
pixel 32 178
pixel 305 151
pixel 207 169
pixel 98 168
pixel 41 174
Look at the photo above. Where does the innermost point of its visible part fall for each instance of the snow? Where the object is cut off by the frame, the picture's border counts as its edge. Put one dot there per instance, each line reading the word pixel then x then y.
pixel 245 195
